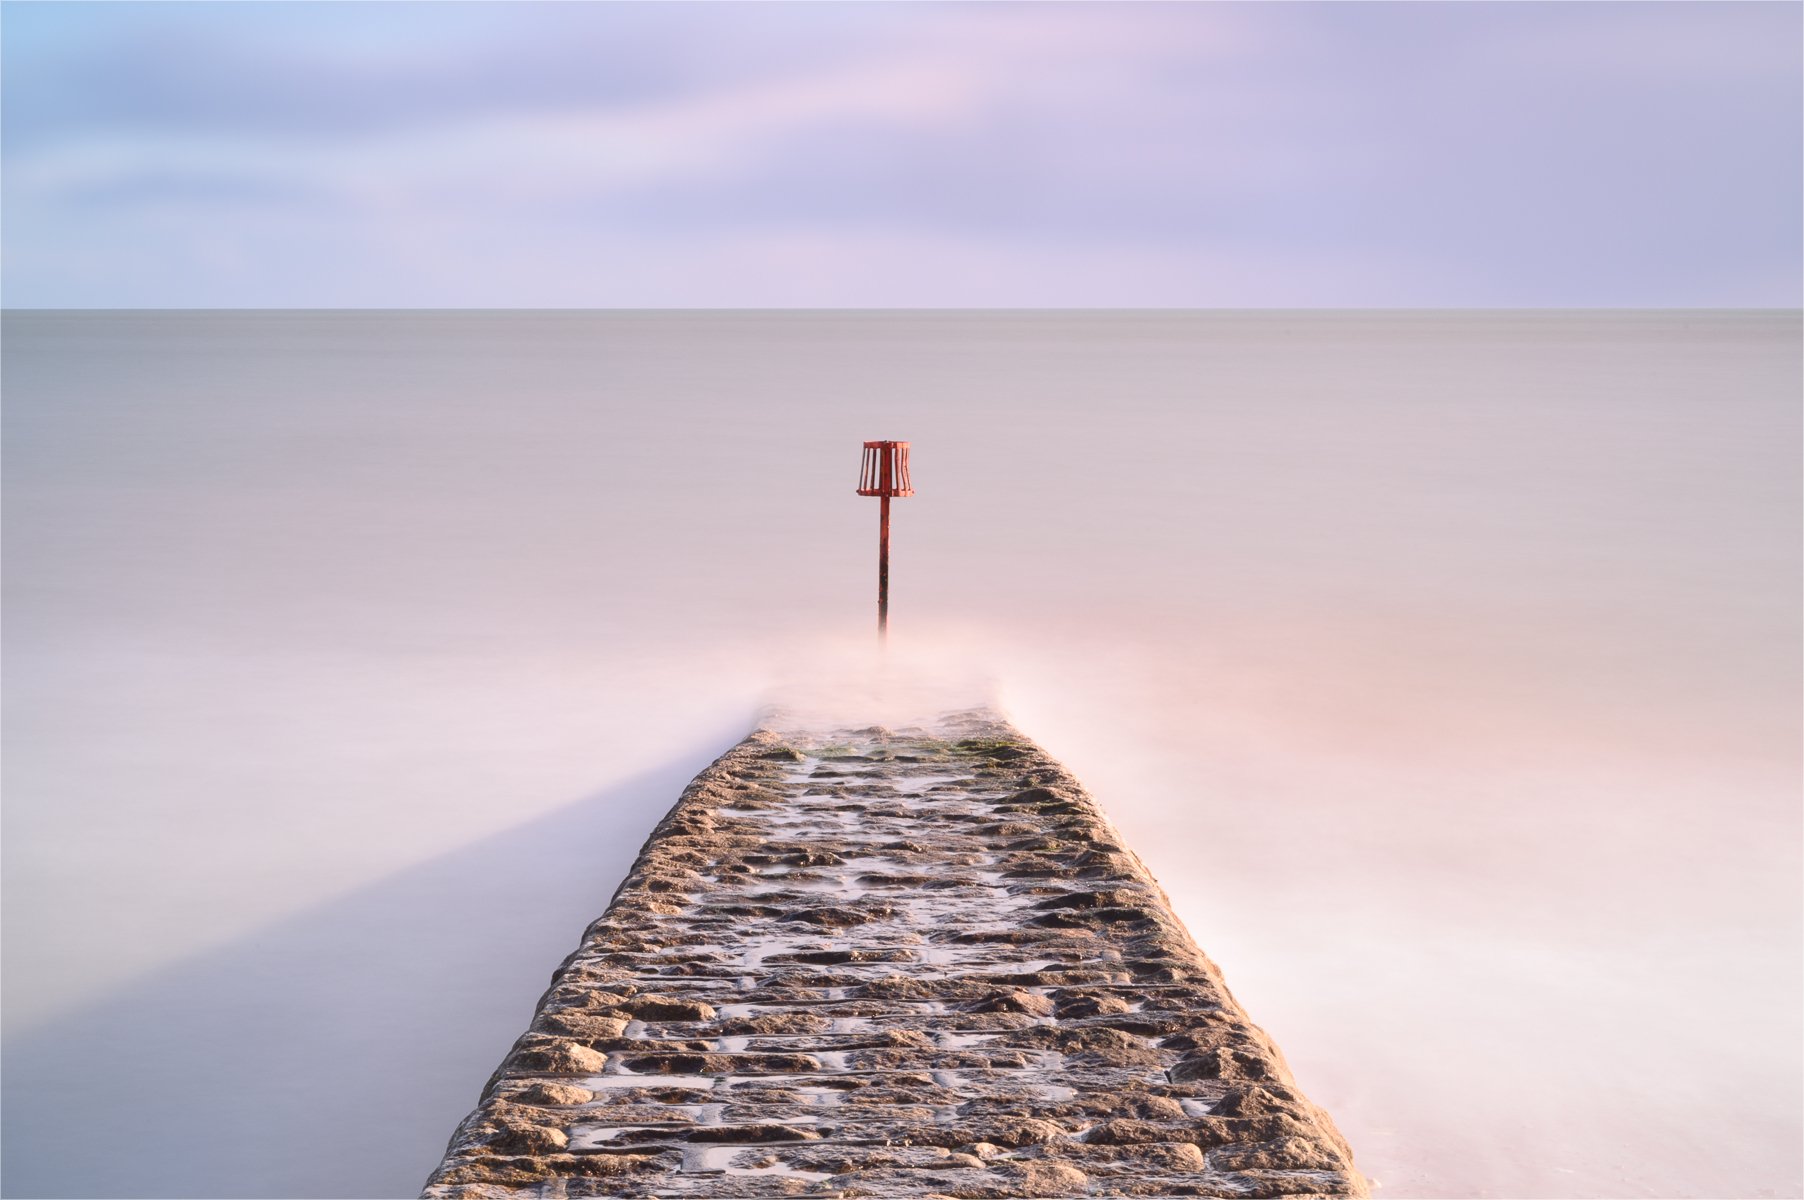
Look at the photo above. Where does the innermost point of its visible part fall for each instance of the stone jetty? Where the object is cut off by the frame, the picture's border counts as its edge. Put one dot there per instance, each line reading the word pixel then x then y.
pixel 910 963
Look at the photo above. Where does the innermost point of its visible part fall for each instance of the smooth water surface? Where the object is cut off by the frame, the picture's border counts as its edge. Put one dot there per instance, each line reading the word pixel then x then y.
pixel 1444 668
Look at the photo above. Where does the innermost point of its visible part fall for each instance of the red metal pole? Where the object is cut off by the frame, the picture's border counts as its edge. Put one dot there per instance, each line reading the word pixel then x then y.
pixel 883 572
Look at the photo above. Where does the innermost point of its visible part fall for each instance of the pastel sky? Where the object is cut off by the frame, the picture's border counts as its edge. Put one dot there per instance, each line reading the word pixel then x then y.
pixel 1073 155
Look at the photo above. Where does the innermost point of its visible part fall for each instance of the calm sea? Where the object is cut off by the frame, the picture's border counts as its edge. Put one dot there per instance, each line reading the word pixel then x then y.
pixel 1444 668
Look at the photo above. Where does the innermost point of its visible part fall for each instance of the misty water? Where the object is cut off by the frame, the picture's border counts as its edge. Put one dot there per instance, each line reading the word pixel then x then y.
pixel 1443 668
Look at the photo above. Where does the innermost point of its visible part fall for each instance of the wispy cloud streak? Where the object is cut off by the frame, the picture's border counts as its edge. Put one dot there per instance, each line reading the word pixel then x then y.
pixel 604 155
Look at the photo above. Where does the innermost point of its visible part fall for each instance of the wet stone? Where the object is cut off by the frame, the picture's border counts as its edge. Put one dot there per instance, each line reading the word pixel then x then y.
pixel 554 1057
pixel 664 1008
pixel 552 1093
pixel 876 963
pixel 583 1026
pixel 751 1133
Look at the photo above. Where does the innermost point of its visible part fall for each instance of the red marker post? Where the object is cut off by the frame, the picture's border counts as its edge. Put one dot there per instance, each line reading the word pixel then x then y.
pixel 884 473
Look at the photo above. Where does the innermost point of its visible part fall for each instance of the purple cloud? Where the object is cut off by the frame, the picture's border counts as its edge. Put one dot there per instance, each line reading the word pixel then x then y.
pixel 1072 155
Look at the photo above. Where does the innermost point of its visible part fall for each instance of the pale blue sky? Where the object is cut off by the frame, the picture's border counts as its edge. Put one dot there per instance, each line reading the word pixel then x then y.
pixel 625 155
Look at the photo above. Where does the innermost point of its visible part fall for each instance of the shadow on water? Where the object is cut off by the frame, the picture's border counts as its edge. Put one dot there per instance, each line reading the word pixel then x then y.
pixel 332 1053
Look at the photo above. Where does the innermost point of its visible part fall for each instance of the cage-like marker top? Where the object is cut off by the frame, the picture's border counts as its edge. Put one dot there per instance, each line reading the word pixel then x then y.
pixel 884 471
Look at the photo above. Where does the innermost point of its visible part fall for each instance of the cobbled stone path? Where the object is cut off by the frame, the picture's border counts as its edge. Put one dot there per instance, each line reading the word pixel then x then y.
pixel 872 963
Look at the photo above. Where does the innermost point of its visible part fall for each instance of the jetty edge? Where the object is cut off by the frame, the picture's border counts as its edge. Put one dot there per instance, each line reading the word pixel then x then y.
pixel 891 963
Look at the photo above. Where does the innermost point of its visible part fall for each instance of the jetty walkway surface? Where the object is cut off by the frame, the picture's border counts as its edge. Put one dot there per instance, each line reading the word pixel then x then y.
pixel 873 963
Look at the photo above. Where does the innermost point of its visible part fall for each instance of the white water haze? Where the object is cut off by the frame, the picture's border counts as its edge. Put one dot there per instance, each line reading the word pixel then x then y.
pixel 1443 668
